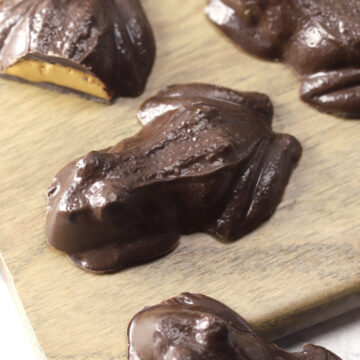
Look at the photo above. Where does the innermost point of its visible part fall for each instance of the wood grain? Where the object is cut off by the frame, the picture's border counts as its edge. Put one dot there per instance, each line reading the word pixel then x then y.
pixel 301 267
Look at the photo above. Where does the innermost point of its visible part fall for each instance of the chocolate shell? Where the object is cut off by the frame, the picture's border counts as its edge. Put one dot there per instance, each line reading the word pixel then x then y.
pixel 100 49
pixel 319 38
pixel 207 160
pixel 196 327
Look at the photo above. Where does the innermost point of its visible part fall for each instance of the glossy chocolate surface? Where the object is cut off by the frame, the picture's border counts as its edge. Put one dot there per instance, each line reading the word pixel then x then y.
pixel 207 160
pixel 196 327
pixel 320 39
pixel 110 39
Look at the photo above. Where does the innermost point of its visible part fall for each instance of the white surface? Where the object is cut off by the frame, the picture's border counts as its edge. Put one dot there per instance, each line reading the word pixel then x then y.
pixel 14 340
pixel 340 335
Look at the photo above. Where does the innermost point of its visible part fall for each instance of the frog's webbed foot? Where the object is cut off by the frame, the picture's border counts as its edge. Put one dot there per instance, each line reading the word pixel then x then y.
pixel 336 92
pixel 258 188
pixel 313 352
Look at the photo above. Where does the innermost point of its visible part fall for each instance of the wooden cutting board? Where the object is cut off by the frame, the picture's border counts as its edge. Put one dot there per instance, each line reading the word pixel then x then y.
pixel 300 267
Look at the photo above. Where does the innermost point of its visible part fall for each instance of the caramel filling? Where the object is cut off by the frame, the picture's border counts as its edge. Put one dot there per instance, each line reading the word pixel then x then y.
pixel 38 71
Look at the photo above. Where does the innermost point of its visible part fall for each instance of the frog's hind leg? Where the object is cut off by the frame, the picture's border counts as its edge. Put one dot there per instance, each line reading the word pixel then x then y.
pixel 258 189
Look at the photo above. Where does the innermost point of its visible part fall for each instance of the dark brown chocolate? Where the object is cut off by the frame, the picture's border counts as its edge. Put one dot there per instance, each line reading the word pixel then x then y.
pixel 196 327
pixel 320 39
pixel 207 160
pixel 100 48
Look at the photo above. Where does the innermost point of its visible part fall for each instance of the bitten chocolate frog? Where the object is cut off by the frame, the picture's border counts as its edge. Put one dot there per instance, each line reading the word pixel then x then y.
pixel 206 160
pixel 99 49
pixel 320 39
pixel 196 327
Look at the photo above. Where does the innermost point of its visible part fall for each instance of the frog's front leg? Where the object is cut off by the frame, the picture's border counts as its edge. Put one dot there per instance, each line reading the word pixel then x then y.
pixel 257 189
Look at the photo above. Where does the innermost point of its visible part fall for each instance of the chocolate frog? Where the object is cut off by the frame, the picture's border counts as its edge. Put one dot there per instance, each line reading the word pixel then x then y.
pixel 196 327
pixel 206 160
pixel 100 49
pixel 320 39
